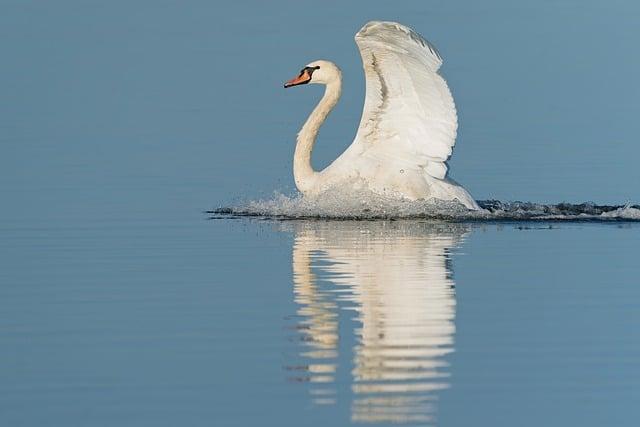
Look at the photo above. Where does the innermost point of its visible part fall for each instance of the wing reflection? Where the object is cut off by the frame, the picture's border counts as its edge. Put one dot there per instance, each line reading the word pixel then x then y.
pixel 397 279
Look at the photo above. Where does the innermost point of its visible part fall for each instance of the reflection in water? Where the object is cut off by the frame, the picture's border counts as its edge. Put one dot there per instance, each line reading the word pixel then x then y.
pixel 396 277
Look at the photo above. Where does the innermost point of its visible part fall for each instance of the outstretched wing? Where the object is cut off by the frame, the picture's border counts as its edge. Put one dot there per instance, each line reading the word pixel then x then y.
pixel 409 116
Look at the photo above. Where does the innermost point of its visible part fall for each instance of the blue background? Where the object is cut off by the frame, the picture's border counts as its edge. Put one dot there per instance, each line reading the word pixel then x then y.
pixel 122 108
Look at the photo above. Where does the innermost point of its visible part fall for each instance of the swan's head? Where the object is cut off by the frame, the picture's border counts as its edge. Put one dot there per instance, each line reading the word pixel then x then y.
pixel 321 72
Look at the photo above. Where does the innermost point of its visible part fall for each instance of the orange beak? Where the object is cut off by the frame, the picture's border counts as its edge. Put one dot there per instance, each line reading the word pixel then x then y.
pixel 303 78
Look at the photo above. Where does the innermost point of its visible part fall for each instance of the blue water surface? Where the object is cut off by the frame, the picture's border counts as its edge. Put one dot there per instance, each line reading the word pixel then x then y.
pixel 122 304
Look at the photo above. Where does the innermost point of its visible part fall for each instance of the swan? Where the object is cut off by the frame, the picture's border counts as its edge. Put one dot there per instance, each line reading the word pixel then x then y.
pixel 408 126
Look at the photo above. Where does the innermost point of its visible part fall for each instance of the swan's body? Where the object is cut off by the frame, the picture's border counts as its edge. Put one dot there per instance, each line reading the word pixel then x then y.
pixel 408 126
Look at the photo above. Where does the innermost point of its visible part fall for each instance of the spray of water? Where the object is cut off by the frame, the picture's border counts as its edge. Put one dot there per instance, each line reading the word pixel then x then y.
pixel 366 205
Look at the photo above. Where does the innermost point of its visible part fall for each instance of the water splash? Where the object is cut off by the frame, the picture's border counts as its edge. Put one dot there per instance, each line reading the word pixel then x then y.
pixel 366 206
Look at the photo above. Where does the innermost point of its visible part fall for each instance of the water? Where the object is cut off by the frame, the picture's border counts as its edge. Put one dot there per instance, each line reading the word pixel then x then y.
pixel 123 303
pixel 366 205
pixel 261 322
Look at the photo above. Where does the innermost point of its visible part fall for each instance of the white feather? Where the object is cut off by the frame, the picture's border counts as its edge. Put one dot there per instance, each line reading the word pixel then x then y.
pixel 408 126
pixel 409 116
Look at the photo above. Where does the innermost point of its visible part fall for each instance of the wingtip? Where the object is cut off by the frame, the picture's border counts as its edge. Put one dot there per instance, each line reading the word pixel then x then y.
pixel 373 24
pixel 372 29
pixel 370 26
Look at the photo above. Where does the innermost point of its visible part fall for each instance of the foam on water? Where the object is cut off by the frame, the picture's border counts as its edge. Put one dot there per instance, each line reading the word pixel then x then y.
pixel 366 205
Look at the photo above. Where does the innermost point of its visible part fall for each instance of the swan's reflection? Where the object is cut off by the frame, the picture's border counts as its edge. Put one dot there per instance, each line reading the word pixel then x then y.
pixel 397 278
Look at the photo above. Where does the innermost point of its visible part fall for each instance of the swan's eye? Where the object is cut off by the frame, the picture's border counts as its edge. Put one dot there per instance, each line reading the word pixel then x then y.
pixel 309 70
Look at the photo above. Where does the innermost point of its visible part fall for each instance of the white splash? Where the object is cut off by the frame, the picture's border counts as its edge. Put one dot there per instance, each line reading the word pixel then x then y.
pixel 625 212
pixel 354 205
pixel 365 205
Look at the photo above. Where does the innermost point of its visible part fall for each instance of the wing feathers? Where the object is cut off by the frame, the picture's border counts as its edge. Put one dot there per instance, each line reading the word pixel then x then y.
pixel 409 115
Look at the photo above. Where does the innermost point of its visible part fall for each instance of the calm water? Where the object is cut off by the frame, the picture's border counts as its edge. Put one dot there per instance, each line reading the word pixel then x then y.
pixel 246 322
pixel 122 304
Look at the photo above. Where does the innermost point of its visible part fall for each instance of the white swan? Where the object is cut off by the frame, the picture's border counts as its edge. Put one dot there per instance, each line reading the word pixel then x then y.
pixel 408 126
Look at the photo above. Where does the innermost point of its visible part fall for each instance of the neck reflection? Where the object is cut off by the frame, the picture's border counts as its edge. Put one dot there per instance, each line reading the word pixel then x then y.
pixel 396 278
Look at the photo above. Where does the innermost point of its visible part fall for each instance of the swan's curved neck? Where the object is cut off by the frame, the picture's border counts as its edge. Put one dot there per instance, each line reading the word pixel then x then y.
pixel 303 173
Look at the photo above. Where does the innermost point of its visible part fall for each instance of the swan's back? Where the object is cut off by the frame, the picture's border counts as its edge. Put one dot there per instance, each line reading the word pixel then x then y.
pixel 409 119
